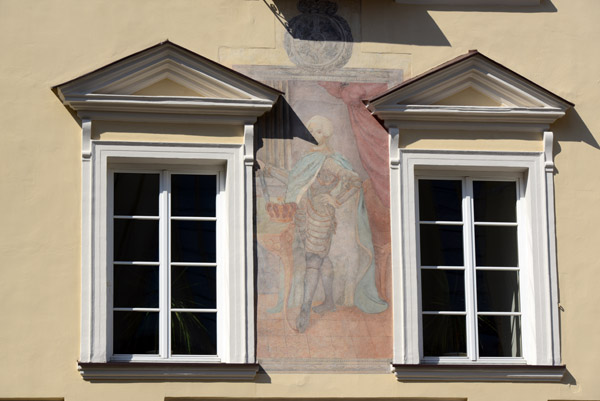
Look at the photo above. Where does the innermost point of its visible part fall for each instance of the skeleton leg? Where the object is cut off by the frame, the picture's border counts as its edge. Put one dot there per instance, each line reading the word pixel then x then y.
pixel 311 279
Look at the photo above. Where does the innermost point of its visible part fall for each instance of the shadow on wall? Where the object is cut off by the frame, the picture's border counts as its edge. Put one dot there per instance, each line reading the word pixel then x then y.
pixel 572 128
pixel 400 23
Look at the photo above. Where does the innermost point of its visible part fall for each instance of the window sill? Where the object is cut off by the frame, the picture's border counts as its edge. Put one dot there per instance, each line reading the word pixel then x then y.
pixel 479 373
pixel 145 371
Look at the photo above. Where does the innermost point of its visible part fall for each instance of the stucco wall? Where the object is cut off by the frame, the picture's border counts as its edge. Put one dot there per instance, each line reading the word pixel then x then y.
pixel 47 43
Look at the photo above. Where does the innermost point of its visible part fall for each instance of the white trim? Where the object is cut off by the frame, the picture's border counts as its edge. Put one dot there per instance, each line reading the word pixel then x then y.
pixel 224 96
pixel 479 373
pixel 539 330
pixel 180 371
pixel 483 3
pixel 523 106
pixel 95 303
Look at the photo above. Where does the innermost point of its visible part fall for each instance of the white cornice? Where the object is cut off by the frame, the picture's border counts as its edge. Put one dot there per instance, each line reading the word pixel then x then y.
pixel 472 117
pixel 471 2
pixel 522 105
pixel 224 96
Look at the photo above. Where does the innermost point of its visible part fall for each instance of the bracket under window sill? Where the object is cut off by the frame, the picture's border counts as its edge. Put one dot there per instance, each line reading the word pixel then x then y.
pixel 145 371
pixel 479 373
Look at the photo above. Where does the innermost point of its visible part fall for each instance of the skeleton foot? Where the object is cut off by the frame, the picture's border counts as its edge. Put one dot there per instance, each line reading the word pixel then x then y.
pixel 302 321
pixel 324 307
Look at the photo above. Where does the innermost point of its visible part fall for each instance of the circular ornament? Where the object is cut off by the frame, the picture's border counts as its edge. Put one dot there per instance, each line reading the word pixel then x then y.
pixel 318 39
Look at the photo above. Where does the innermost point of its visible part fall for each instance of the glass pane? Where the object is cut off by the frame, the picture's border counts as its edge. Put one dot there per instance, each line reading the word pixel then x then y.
pixel 495 201
pixel 193 287
pixel 136 286
pixel 193 333
pixel 444 335
pixel 497 291
pixel 441 245
pixel 496 246
pixel 136 194
pixel 136 240
pixel 443 290
pixel 193 241
pixel 135 332
pixel 193 195
pixel 499 336
pixel 440 200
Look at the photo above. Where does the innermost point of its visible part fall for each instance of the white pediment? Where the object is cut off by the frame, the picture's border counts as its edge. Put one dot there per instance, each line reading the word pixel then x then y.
pixel 470 89
pixel 167 79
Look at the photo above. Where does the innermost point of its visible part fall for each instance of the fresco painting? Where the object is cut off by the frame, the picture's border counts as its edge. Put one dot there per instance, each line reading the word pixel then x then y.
pixel 323 228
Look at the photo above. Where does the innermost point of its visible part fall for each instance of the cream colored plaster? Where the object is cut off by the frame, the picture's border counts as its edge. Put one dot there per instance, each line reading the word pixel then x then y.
pixel 192 133
pixel 46 43
pixel 451 140
pixel 166 87
pixel 469 97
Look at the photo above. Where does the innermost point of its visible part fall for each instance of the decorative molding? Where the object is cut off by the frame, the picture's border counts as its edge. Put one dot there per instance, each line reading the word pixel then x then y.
pixel 224 96
pixel 394 149
pixel 479 373
pixel 548 155
pixel 542 339
pixel 318 39
pixel 521 104
pixel 553 322
pixel 483 3
pixel 249 346
pixel 135 371
pixel 86 138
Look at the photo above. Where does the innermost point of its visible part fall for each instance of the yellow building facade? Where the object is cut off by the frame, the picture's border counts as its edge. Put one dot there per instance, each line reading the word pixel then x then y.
pixel 335 143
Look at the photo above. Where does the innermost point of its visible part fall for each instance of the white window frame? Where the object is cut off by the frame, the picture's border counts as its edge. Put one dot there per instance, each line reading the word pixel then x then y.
pixel 165 171
pixel 540 333
pixel 524 260
pixel 235 324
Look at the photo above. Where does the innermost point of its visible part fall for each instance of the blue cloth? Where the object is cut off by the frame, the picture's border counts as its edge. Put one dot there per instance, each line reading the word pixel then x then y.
pixel 366 296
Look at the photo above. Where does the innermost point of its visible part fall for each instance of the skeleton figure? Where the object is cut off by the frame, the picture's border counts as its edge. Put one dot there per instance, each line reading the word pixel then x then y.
pixel 319 183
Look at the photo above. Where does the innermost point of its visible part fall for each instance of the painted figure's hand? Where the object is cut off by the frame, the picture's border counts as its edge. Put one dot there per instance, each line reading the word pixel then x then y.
pixel 326 199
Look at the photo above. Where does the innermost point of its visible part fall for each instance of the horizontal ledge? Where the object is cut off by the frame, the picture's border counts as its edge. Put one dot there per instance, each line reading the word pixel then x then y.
pixel 480 373
pixel 167 371
pixel 472 2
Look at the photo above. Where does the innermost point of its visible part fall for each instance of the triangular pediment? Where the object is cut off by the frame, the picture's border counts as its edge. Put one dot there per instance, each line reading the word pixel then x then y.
pixel 168 79
pixel 468 88
pixel 168 87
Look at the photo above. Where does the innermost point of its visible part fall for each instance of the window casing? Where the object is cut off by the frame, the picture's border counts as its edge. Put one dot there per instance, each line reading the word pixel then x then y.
pixel 167 160
pixel 469 257
pixel 166 261
pixel 526 170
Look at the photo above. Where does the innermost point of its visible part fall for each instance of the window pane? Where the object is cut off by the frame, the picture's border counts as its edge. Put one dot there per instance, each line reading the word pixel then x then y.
pixel 193 287
pixel 193 241
pixel 496 246
pixel 136 286
pixel 135 332
pixel 499 336
pixel 136 240
pixel 193 333
pixel 136 194
pixel 443 290
pixel 495 201
pixel 444 335
pixel 498 291
pixel 193 195
pixel 440 200
pixel 441 245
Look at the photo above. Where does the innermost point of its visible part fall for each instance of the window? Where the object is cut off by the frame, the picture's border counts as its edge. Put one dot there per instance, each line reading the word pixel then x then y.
pixel 474 302
pixel 168 236
pixel 468 267
pixel 475 292
pixel 166 263
pixel 164 276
